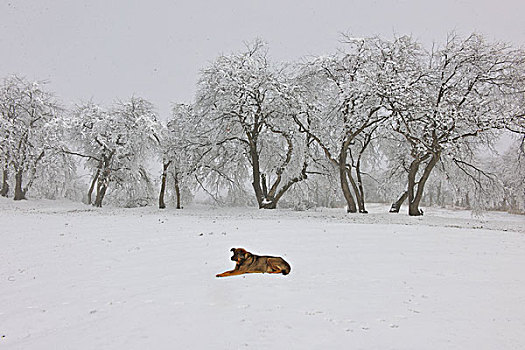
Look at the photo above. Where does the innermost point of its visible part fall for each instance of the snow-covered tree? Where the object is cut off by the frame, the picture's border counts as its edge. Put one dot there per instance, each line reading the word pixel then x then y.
pixel 31 127
pixel 248 104
pixel 345 111
pixel 446 102
pixel 509 170
pixel 116 144
pixel 4 152
pixel 183 149
pixel 165 141
pixel 57 177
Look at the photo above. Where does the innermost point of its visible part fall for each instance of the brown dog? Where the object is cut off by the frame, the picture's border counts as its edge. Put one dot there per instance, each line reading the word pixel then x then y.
pixel 247 262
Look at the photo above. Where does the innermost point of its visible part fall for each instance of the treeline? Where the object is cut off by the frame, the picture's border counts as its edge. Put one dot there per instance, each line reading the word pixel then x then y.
pixel 380 119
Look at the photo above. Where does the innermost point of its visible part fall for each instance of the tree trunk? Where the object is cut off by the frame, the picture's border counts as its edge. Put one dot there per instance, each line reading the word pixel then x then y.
pixel 267 198
pixel 413 208
pixel 5 184
pixel 101 192
pixel 177 191
pixel 269 205
pixel 361 189
pixel 19 192
pixel 343 178
pixel 256 176
pixel 92 187
pixel 413 205
pixel 357 192
pixel 264 185
pixel 397 204
pixel 415 197
pixel 351 207
pixel 165 166
pixel 439 200
pixel 103 173
pixel 286 187
pixel 102 186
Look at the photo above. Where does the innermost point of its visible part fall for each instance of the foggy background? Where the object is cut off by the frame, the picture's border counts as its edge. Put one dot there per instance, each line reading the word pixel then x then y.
pixel 104 50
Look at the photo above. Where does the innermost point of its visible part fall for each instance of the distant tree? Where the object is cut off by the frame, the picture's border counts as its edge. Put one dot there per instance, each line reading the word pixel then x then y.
pixel 30 127
pixel 183 149
pixel 4 152
pixel 116 144
pixel 248 104
pixel 56 177
pixel 509 169
pixel 165 148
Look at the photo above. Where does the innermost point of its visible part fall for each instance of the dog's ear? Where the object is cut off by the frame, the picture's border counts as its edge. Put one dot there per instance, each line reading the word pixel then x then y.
pixel 247 254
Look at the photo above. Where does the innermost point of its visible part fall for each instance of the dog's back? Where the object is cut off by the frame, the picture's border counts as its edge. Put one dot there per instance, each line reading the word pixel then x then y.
pixel 282 265
pixel 271 264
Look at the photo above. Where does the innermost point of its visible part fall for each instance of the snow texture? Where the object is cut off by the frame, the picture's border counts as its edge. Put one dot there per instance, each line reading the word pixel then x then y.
pixel 75 277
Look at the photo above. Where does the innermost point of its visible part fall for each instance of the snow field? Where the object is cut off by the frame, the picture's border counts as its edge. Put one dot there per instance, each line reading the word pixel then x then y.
pixel 72 277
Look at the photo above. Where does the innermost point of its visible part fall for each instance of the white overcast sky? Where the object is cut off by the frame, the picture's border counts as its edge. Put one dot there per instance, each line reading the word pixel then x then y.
pixel 113 49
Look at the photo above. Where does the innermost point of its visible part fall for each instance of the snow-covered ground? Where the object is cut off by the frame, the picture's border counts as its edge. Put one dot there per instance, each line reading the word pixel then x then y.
pixel 75 277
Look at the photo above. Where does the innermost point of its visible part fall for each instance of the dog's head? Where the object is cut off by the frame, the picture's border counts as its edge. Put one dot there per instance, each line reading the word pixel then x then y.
pixel 239 254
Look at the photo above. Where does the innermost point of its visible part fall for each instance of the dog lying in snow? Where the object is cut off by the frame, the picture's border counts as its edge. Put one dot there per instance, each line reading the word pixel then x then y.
pixel 247 262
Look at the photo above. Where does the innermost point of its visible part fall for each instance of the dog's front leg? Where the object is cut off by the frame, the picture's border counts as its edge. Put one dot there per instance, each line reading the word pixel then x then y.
pixel 230 273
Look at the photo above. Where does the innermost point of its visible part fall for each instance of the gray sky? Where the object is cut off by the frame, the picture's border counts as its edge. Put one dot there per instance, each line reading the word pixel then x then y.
pixel 112 49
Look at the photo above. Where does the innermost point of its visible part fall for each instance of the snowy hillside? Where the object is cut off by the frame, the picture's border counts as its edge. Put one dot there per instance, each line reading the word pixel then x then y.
pixel 76 277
